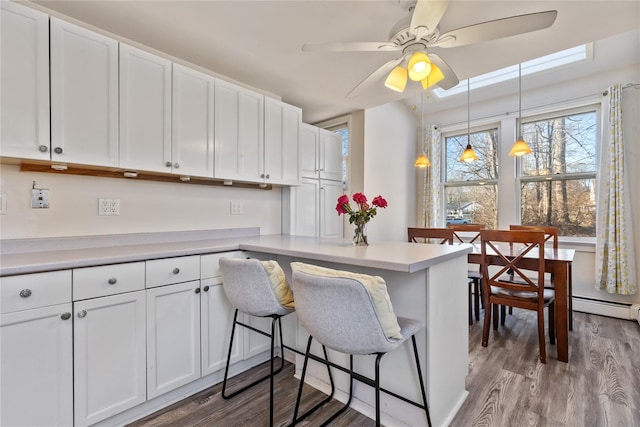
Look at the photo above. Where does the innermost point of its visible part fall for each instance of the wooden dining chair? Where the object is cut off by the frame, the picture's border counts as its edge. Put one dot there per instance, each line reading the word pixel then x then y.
pixel 475 275
pixel 503 251
pixel 551 235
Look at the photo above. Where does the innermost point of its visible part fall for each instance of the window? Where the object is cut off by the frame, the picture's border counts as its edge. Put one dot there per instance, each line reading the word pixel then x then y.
pixel 343 131
pixel 558 180
pixel 471 189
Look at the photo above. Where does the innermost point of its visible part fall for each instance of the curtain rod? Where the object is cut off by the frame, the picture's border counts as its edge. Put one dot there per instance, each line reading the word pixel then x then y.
pixel 627 86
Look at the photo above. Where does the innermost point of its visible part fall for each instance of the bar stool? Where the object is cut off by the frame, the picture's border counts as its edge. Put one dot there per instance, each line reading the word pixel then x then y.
pixel 351 313
pixel 257 288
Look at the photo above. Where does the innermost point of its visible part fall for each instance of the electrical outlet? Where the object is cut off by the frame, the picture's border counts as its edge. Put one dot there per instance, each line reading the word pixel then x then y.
pixel 109 207
pixel 236 208
pixel 39 198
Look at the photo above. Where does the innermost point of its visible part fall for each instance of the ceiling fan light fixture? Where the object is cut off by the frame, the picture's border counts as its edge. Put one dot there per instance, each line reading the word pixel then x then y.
pixel 397 79
pixel 419 66
pixel 434 77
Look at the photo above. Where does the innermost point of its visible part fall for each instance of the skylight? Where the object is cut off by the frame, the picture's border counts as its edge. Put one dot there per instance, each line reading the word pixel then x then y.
pixel 568 56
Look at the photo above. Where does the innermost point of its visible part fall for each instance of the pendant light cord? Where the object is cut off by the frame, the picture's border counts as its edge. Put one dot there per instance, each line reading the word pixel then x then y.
pixel 519 136
pixel 468 112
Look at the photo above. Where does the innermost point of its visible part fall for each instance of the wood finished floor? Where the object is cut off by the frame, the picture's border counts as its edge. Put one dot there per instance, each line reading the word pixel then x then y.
pixel 507 385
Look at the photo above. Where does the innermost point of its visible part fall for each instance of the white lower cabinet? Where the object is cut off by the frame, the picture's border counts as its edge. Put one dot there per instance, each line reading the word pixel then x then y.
pixel 109 356
pixel 173 336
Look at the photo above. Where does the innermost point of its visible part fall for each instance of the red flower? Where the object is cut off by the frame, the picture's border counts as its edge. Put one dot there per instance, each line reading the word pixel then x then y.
pixel 343 200
pixel 359 198
pixel 341 209
pixel 379 202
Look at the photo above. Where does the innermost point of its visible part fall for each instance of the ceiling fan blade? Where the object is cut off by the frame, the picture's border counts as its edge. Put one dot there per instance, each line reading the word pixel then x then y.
pixel 351 47
pixel 384 69
pixel 426 16
pixel 499 28
pixel 450 79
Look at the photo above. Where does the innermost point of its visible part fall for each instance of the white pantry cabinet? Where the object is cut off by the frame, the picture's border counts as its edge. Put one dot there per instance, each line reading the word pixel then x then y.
pixel 84 96
pixel 193 121
pixel 36 361
pixel 239 133
pixel 24 79
pixel 281 143
pixel 145 111
pixel 313 208
pixel 321 153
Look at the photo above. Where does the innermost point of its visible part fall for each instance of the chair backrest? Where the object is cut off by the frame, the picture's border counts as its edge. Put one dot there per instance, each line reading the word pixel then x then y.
pixel 248 288
pixel 339 313
pixel 550 232
pixel 441 235
pixel 504 251
pixel 461 228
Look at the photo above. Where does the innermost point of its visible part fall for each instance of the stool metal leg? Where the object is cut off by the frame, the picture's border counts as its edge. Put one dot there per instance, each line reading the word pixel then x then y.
pixel 424 394
pixel 377 387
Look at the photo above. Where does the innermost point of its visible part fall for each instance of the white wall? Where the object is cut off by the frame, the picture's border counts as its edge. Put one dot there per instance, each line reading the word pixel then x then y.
pixel 145 206
pixel 389 153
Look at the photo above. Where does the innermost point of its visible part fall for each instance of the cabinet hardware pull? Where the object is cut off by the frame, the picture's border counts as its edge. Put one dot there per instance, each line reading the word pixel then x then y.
pixel 65 316
pixel 197 290
pixel 168 164
pixel 268 176
pixel 58 150
pixel 43 148
pixel 113 281
pixel 206 288
pixel 261 175
pixel 82 314
pixel 176 270
pixel 25 293
pixel 176 165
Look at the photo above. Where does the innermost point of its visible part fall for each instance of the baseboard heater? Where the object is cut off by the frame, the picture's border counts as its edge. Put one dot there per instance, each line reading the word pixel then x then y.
pixel 619 310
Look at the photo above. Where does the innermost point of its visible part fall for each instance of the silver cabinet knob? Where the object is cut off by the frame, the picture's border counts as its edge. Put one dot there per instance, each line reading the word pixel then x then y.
pixel 168 164
pixel 82 314
pixel 65 316
pixel 196 290
pixel 261 175
pixel 43 148
pixel 268 176
pixel 176 165
pixel 176 270
pixel 58 150
pixel 206 288
pixel 113 281
pixel 25 293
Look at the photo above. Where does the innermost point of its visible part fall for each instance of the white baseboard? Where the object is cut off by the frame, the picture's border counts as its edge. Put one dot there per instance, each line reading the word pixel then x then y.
pixel 635 312
pixel 604 308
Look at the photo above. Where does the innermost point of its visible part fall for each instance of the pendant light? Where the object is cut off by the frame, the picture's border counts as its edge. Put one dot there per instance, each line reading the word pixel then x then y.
pixel 520 147
pixel 422 161
pixel 468 155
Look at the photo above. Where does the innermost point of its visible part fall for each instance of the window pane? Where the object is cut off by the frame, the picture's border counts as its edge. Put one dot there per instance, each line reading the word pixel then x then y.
pixel 474 204
pixel 561 145
pixel 485 144
pixel 568 204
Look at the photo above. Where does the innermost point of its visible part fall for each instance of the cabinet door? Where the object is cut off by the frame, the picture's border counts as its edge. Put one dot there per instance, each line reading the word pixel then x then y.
pixel 173 337
pixel 331 223
pixel 309 140
pixel 84 96
pixel 255 343
pixel 281 140
pixel 306 207
pixel 216 315
pixel 24 79
pixel 145 111
pixel 330 155
pixel 37 367
pixel 192 129
pixel 109 356
pixel 239 133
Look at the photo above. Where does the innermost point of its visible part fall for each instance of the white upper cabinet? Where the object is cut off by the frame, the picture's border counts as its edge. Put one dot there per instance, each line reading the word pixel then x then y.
pixel 239 133
pixel 193 121
pixel 84 96
pixel 309 141
pixel 145 111
pixel 24 79
pixel 281 140
pixel 321 153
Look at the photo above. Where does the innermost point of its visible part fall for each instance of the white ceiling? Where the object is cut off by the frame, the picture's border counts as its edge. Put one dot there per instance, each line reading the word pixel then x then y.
pixel 259 42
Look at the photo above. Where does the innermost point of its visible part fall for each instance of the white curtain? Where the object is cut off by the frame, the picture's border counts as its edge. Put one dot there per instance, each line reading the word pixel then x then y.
pixel 431 200
pixel 615 254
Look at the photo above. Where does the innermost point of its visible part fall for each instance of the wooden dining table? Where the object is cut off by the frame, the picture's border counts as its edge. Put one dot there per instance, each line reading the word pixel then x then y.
pixel 557 262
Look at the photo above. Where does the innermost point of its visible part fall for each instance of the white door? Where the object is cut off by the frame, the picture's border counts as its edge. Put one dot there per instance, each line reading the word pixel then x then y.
pixel 239 133
pixel 24 79
pixel 109 356
pixel 330 155
pixel 281 140
pixel 192 128
pixel 37 367
pixel 331 224
pixel 84 96
pixel 216 315
pixel 173 336
pixel 306 202
pixel 309 140
pixel 145 111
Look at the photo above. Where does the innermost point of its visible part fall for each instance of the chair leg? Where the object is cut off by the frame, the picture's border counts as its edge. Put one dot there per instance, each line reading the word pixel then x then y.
pixel 496 316
pixel 541 339
pixel 476 301
pixel 226 368
pixel 377 387
pixel 552 323
pixel 503 314
pixel 422 390
pixel 487 324
pixel 570 291
pixel 470 311
pixel 273 338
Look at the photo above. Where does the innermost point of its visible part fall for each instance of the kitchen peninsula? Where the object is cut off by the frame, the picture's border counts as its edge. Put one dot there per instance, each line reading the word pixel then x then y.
pixel 426 282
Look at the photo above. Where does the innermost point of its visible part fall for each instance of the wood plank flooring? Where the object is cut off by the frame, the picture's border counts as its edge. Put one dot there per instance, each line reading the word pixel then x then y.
pixel 508 386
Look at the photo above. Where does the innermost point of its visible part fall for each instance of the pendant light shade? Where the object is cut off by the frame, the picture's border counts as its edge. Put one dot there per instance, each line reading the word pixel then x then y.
pixel 422 161
pixel 419 66
pixel 520 147
pixel 468 155
pixel 434 77
pixel 397 79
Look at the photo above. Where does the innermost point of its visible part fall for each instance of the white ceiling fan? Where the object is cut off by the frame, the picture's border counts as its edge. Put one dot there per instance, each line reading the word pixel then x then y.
pixel 414 35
